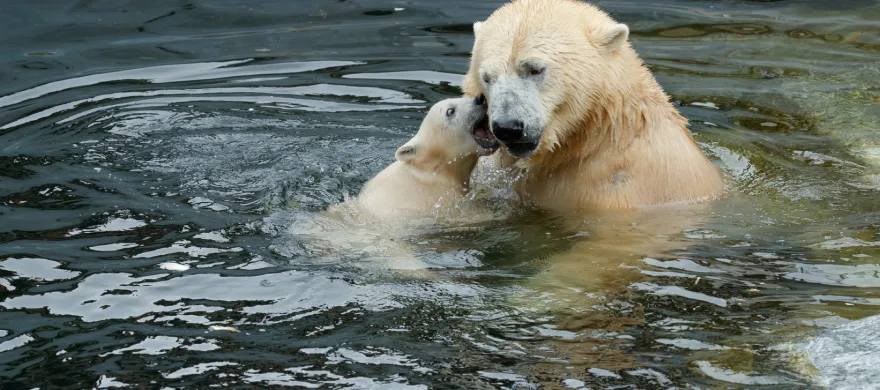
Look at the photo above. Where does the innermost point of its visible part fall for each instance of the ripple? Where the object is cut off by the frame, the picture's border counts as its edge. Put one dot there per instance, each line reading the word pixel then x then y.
pixel 280 102
pixel 213 236
pixel 36 268
pixel 174 73
pixel 862 275
pixel 378 94
pixel 160 345
pixel 311 294
pixel 16 342
pixel 114 247
pixel 846 242
pixel 600 372
pixel 184 247
pixel 304 377
pixel 197 369
pixel 731 376
pixel 112 225
pixel 429 77
pixel 691 344
pixel 682 264
pixel 655 289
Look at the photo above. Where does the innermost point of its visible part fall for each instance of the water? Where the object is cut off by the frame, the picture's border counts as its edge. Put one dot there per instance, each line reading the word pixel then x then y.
pixel 164 165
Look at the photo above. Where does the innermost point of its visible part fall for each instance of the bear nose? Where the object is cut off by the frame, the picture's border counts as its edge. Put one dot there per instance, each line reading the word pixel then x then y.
pixel 508 130
pixel 480 100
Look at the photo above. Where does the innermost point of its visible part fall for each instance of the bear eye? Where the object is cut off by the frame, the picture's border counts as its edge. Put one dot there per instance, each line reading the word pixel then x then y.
pixel 450 112
pixel 487 79
pixel 536 71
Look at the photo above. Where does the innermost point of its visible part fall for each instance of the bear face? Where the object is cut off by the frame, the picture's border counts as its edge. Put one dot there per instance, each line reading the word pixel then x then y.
pixel 435 166
pixel 453 129
pixel 536 59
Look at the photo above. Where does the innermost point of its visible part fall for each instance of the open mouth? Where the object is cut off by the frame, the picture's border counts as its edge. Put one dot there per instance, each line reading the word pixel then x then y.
pixel 484 137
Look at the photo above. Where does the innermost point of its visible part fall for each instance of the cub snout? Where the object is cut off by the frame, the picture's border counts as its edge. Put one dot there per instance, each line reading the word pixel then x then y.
pixel 482 134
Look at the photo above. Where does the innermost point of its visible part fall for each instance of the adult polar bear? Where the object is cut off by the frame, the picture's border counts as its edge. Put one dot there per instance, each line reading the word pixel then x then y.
pixel 599 143
pixel 577 109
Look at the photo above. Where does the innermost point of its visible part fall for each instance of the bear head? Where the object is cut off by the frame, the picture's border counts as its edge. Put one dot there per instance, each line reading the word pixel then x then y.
pixel 544 66
pixel 453 130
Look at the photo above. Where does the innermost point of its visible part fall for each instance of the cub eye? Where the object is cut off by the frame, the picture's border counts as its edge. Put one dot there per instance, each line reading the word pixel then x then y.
pixel 487 79
pixel 535 71
pixel 450 112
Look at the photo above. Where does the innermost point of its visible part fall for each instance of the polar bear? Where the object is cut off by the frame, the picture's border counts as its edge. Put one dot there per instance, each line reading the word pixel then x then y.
pixel 424 185
pixel 434 168
pixel 578 111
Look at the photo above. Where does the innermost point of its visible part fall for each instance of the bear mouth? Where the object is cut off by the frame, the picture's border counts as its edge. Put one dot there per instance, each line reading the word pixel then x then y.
pixel 521 149
pixel 485 138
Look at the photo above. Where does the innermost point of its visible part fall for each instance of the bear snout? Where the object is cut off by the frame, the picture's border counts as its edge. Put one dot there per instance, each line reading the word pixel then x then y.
pixel 508 130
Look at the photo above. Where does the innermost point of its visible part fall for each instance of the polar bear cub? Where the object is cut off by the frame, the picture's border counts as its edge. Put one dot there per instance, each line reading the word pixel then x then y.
pixel 431 173
pixel 433 169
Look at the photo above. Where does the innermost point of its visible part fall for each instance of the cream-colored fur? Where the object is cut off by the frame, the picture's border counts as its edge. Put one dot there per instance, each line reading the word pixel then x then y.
pixel 433 169
pixel 612 156
pixel 609 136
pixel 430 176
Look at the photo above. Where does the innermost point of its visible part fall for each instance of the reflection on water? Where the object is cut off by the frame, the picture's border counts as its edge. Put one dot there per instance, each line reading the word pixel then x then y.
pixel 165 170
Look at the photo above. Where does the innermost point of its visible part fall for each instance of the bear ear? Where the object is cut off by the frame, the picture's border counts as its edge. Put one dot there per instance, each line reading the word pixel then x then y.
pixel 477 26
pixel 470 84
pixel 615 37
pixel 405 152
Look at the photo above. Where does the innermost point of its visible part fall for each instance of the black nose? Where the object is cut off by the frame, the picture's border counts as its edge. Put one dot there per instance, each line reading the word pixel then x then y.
pixel 508 130
pixel 480 100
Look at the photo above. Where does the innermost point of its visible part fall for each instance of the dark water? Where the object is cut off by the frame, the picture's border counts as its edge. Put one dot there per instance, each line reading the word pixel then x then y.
pixel 159 159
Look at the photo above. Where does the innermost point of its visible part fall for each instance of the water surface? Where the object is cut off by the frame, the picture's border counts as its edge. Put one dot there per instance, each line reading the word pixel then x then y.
pixel 162 162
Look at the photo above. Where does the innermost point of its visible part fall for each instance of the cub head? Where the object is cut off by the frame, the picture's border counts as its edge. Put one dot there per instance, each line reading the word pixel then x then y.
pixel 453 130
pixel 543 65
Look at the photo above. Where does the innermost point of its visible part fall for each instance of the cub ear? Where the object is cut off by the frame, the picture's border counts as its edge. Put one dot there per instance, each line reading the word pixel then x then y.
pixel 405 152
pixel 615 37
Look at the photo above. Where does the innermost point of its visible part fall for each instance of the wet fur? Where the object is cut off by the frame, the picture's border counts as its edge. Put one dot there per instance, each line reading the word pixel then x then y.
pixel 613 151
pixel 432 169
pixel 610 138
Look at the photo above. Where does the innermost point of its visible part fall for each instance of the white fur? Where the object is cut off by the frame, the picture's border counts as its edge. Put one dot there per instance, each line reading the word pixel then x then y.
pixel 599 132
pixel 433 168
